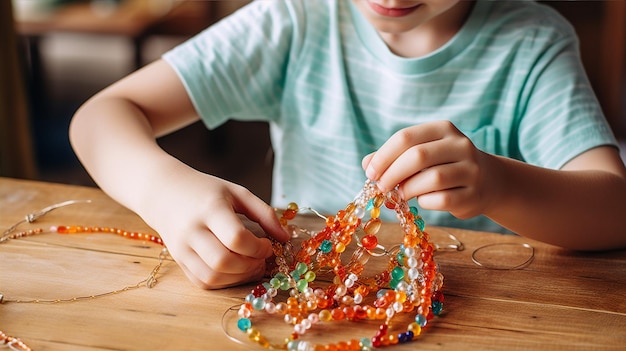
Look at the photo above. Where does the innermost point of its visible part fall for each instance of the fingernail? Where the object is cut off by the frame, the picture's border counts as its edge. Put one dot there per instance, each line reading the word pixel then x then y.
pixel 370 173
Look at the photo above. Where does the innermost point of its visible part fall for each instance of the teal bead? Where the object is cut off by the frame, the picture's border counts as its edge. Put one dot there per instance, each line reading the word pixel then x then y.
pixel 413 210
pixel 326 246
pixel 370 205
pixel 294 274
pixel 421 320
pixel 393 284
pixel 419 222
pixel 244 324
pixel 437 308
pixel 366 343
pixel 397 273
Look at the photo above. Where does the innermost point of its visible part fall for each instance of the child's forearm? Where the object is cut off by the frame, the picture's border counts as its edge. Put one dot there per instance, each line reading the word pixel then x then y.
pixel 116 144
pixel 580 210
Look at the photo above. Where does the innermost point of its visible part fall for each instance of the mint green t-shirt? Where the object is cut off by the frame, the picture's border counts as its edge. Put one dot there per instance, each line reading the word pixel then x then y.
pixel 511 80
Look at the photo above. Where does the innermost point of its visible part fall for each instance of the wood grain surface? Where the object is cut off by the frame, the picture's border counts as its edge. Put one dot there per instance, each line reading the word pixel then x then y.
pixel 561 300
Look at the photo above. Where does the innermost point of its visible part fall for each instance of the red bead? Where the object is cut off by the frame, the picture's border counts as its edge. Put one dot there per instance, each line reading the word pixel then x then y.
pixel 376 342
pixel 369 242
pixel 259 290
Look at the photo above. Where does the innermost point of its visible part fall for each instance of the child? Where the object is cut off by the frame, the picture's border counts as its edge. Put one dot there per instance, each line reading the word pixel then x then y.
pixel 480 110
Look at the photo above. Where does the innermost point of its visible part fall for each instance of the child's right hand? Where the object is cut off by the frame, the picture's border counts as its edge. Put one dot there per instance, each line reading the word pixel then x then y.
pixel 197 217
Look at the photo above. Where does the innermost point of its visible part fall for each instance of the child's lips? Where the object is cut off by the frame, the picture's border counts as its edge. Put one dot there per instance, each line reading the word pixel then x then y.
pixel 392 12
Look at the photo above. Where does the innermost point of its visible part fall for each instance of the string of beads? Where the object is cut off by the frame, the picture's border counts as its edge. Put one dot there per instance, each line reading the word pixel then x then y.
pixel 10 234
pixel 13 343
pixel 411 282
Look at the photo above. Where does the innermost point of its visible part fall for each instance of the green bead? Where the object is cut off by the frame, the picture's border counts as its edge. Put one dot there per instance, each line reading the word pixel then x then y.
pixel 302 284
pixel 397 273
pixel 400 257
pixel 275 283
pixel 413 210
pixel 301 267
pixel 309 276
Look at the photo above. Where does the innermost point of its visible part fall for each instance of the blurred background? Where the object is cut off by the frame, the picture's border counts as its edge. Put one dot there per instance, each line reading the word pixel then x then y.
pixel 55 54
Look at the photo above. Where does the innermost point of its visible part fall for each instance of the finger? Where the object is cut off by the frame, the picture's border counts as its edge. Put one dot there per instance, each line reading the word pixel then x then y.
pixel 436 178
pixel 259 212
pixel 231 232
pixel 201 275
pixel 219 258
pixel 366 160
pixel 417 158
pixel 400 142
pixel 457 201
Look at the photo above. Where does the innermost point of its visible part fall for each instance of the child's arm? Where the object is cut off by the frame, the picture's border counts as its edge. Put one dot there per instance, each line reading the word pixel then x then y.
pixel 114 135
pixel 581 206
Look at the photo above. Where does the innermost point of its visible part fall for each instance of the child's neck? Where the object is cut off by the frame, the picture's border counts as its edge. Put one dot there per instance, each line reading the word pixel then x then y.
pixel 430 36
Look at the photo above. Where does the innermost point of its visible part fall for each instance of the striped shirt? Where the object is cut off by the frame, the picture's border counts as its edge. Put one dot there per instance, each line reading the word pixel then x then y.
pixel 511 80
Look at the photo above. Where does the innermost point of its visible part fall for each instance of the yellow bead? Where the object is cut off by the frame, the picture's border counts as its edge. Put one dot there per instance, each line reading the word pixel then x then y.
pixel 375 212
pixel 340 247
pixel 253 333
pixel 325 315
pixel 415 328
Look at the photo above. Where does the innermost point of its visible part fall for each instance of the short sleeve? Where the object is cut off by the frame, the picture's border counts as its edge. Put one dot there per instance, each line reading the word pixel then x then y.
pixel 235 68
pixel 560 115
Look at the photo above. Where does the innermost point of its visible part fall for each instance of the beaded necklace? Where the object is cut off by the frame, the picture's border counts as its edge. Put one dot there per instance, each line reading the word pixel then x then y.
pixel 411 283
pixel 11 234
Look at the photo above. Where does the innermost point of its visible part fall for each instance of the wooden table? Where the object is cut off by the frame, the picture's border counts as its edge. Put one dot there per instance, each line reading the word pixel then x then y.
pixel 562 300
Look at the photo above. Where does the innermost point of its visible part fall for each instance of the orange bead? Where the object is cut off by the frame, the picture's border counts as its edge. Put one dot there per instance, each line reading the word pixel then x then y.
pixel 372 226
pixel 369 242
pixel 337 314
pixel 363 290
pixel 371 312
pixel 379 200
pixel 353 345
pixel 289 214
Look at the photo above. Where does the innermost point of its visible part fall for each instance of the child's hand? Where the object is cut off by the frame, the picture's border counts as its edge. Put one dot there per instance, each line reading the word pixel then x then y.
pixel 197 217
pixel 436 163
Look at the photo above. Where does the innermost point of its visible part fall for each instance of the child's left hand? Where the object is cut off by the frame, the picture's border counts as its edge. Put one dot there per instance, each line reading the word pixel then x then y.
pixel 436 163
